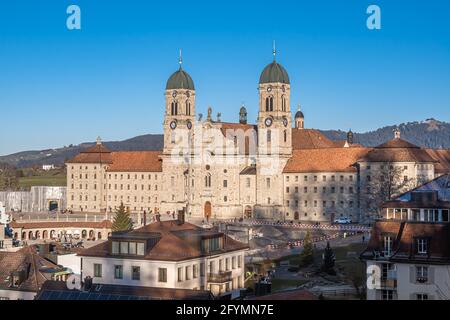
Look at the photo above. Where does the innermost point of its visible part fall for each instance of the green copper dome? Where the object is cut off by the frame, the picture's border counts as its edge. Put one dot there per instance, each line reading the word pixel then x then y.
pixel 180 80
pixel 274 72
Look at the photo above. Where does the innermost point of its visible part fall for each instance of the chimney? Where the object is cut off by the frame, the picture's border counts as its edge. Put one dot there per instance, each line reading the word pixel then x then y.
pixel 87 283
pixel 350 137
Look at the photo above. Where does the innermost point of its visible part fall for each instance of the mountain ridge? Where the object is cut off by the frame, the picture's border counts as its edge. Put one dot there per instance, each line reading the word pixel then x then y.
pixel 429 133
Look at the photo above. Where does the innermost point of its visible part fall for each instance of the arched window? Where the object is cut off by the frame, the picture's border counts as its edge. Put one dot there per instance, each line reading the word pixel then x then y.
pixel 267 104
pixel 172 109
pixel 269 135
pixel 208 180
pixel 188 108
pixel 176 108
pixel 271 104
pixel 283 104
pixel 285 136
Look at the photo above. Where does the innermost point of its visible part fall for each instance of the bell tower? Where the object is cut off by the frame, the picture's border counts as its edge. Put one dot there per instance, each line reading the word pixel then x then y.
pixel 274 117
pixel 179 117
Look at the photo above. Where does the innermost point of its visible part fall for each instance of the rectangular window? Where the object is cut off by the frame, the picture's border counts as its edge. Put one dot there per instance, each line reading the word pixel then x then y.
pixel 421 274
pixel 387 294
pixel 135 273
pixel 115 247
pixel 239 261
pixel 248 182
pixel 140 248
pixel 195 271
pixel 132 248
pixel 421 296
pixel 387 246
pixel 123 247
pixel 180 274
pixel 118 272
pixel 233 263
pixel 187 272
pixel 268 182
pixel 97 270
pixel 225 183
pixel 422 246
pixel 162 274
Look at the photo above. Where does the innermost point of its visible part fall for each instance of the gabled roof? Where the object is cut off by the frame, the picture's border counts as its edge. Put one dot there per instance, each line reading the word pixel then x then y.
pixel 404 246
pixel 136 161
pixel 310 139
pixel 28 260
pixel 98 153
pixel 324 160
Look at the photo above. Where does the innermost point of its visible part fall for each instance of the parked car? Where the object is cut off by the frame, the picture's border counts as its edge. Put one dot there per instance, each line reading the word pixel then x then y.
pixel 343 220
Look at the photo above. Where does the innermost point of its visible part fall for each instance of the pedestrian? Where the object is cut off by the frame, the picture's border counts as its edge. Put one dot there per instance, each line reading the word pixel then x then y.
pixel 363 238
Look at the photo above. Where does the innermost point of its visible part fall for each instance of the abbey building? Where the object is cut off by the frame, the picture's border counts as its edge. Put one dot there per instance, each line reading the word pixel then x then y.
pixel 274 168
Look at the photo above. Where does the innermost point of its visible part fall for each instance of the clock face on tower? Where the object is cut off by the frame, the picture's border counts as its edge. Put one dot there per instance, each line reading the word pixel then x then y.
pixel 173 125
pixel 268 122
pixel 174 94
pixel 269 88
pixel 285 122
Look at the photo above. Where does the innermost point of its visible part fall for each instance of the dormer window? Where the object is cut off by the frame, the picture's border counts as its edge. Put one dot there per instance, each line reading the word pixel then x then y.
pixel 387 246
pixel 422 245
pixel 127 248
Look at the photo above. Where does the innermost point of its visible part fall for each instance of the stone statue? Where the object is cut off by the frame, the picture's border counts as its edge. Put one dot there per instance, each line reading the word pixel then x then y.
pixel 200 116
pixel 218 116
pixel 209 113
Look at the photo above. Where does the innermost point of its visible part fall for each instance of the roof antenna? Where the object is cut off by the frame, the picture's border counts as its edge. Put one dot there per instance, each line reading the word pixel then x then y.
pixel 274 50
pixel 180 59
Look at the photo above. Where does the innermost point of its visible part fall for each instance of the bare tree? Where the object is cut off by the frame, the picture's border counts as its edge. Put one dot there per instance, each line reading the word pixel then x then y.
pixel 389 182
pixel 8 177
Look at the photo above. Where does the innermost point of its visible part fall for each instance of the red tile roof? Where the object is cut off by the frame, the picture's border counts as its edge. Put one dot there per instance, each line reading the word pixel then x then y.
pixel 61 224
pixel 397 150
pixel 25 259
pixel 172 244
pixel 95 154
pixel 136 161
pixel 404 234
pixel 442 156
pixel 324 160
pixel 310 139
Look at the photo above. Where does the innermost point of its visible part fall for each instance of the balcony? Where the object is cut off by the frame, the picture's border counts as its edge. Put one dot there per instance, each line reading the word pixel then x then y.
pixel 220 277
pixel 389 283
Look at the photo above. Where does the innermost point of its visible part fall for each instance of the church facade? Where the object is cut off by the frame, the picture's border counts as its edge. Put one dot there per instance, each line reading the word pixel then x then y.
pixel 273 169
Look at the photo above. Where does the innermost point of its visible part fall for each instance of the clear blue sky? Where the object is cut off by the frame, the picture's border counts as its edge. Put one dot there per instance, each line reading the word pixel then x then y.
pixel 59 87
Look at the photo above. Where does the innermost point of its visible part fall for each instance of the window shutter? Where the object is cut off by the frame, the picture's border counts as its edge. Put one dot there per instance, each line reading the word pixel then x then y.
pixel 412 274
pixel 431 271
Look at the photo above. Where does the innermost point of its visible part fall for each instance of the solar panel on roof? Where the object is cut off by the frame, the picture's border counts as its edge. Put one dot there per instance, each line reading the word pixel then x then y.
pixel 45 295
pixel 54 295
pixel 64 295
pixel 73 295
pixel 93 296
pixel 83 296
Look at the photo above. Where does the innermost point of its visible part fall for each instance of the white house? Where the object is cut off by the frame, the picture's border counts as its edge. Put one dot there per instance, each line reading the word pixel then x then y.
pixel 169 254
